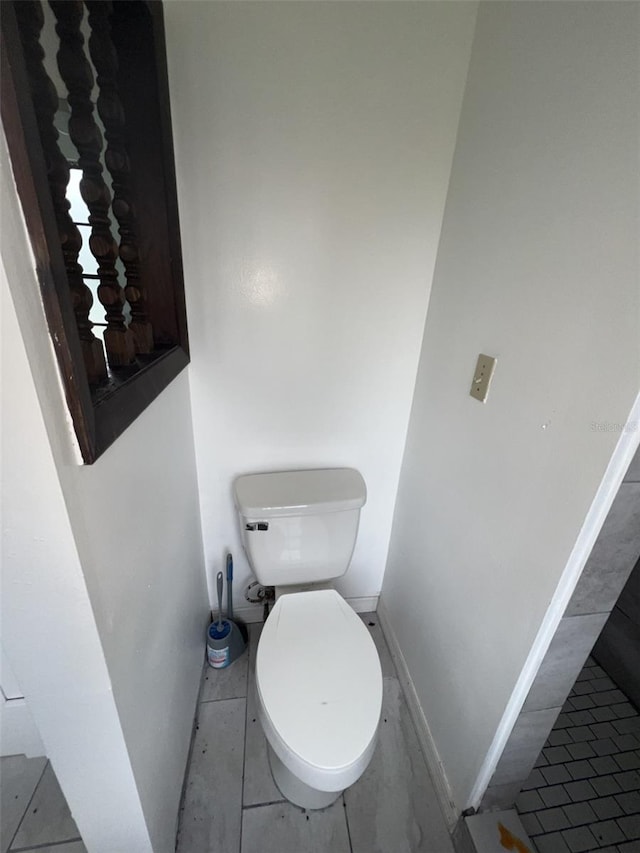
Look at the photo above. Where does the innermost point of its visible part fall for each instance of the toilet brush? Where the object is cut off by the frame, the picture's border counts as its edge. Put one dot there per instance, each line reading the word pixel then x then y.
pixel 227 639
pixel 219 635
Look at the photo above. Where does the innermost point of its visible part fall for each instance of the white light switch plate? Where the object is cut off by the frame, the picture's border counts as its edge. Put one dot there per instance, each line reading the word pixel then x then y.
pixel 482 377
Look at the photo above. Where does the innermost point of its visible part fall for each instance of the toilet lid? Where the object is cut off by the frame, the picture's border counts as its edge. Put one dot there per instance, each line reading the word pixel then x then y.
pixel 319 678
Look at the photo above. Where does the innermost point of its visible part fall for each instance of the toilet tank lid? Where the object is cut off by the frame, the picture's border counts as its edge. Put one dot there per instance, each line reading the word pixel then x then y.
pixel 285 493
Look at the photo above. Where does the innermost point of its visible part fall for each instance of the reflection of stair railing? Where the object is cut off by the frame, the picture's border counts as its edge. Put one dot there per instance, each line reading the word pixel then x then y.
pixel 111 59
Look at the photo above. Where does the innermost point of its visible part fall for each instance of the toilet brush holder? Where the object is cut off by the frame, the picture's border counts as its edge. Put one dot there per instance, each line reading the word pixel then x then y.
pixel 219 635
pixel 219 644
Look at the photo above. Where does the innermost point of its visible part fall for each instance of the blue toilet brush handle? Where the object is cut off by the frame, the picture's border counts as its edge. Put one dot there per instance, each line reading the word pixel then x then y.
pixel 219 585
pixel 229 587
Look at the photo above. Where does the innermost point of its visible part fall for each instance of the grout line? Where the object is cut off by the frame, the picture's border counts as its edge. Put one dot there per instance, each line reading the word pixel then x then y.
pixel 33 793
pixel 220 699
pixel 244 742
pixel 46 845
pixel 262 805
pixel 346 819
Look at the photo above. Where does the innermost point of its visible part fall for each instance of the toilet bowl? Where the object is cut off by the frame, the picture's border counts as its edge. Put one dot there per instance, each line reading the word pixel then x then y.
pixel 319 686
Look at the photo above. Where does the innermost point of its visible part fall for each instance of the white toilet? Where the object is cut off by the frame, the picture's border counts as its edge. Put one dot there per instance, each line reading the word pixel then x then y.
pixel 318 675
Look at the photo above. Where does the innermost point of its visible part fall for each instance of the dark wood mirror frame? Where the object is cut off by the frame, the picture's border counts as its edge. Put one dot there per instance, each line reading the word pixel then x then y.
pixel 102 411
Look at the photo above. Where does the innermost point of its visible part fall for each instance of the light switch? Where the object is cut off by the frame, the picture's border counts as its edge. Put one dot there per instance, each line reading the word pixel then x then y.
pixel 482 377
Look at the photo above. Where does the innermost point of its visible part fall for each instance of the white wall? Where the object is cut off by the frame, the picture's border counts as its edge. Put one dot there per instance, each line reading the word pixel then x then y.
pixel 131 524
pixel 537 265
pixel 48 631
pixel 135 517
pixel 313 146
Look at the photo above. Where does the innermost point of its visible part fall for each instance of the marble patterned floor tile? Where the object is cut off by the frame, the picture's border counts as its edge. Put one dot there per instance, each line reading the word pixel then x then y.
pixel 259 786
pixel 70 847
pixel 375 629
pixel 211 814
pixel 48 819
pixel 393 807
pixel 19 777
pixel 284 828
pixel 227 683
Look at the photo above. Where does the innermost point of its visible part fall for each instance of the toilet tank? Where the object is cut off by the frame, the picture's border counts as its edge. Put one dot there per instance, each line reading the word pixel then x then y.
pixel 299 527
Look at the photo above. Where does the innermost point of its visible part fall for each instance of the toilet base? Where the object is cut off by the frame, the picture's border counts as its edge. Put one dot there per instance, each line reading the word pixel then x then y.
pixel 296 791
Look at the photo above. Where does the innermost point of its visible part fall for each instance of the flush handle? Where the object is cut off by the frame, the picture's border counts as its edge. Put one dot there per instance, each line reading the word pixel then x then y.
pixel 257 525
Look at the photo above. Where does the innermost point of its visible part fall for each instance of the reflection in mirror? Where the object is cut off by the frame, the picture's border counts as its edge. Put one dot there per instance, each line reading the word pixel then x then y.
pixel 79 211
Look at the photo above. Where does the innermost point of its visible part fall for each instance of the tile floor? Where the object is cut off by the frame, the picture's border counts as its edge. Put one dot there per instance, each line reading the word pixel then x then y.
pixel 231 804
pixel 582 796
pixel 584 792
pixel 35 815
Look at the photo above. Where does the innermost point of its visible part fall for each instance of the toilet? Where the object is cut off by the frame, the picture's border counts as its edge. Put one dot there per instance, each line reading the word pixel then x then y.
pixel 318 675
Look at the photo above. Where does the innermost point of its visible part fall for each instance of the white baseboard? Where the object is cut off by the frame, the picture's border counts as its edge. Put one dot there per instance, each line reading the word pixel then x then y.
pixel 427 744
pixel 249 613
pixel 368 604
pixel 18 732
pixel 254 612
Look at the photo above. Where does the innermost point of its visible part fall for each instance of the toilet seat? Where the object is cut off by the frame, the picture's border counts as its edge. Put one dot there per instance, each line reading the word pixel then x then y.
pixel 319 687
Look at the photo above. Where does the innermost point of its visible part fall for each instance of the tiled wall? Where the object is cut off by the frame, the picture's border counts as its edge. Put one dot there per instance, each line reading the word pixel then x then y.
pixel 614 555
pixel 618 648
